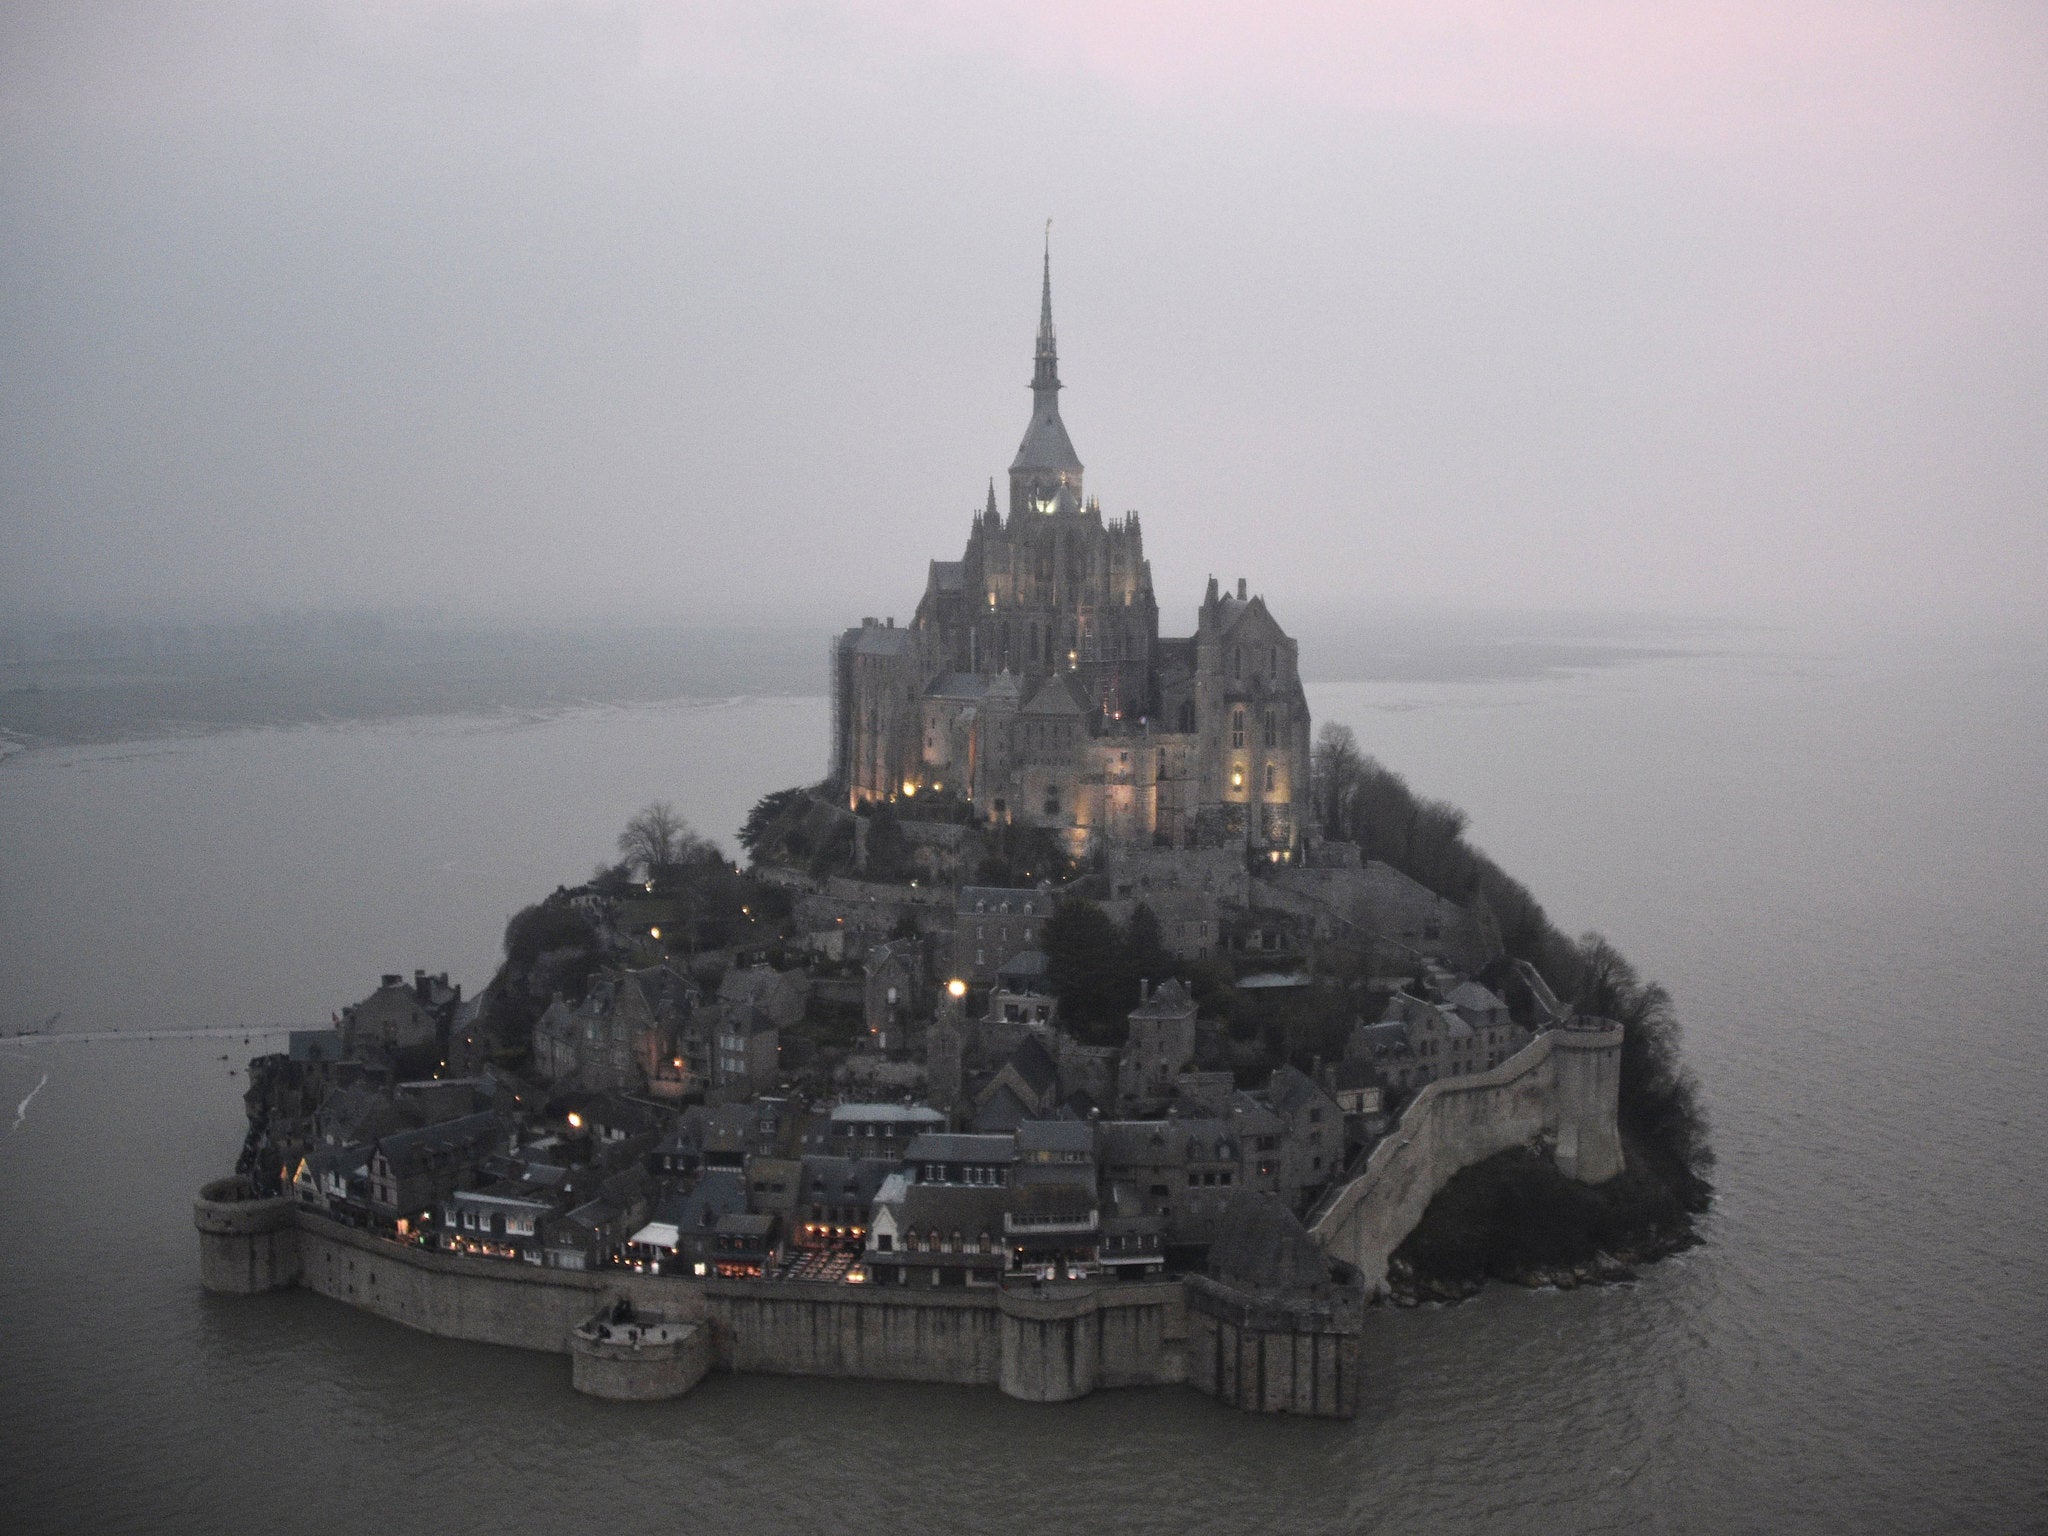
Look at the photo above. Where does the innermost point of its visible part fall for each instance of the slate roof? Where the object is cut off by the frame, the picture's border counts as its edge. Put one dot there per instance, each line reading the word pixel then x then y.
pixel 958 685
pixel 921 1114
pixel 1290 1090
pixel 357 1113
pixel 1003 1111
pixel 1471 997
pixel 1054 1199
pixel 1384 1038
pixel 1056 1136
pixel 1354 1073
pixel 953 1147
pixel 408 1151
pixel 344 1161
pixel 967 1209
pixel 1034 1063
pixel 720 1192
pixel 1000 899
pixel 1026 966
pixel 315 1045
pixel 1190 1138
pixel 844 1180
pixel 1056 697
pixel 1169 1000
pixel 1262 1245
pixel 1252 1118
pixel 1046 444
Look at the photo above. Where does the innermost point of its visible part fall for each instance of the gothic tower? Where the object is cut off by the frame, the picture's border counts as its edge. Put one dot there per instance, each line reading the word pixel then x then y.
pixel 1046 474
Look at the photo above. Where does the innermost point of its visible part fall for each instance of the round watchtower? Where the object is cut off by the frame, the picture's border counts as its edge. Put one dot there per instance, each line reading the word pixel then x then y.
pixel 1586 1058
pixel 248 1244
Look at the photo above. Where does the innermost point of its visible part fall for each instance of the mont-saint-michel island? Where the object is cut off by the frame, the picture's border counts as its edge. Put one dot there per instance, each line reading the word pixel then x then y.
pixel 1096 1021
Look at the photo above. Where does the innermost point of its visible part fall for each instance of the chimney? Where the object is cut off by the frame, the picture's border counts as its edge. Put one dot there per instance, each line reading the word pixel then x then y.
pixel 1240 589
pixel 390 979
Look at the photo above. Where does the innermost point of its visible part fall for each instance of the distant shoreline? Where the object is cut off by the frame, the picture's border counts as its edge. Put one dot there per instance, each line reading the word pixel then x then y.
pixel 107 699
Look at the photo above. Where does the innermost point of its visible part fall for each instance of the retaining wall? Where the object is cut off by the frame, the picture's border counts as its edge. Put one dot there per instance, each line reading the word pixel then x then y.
pixel 1456 1122
pixel 1039 1346
pixel 640 1369
pixel 1268 1355
pixel 246 1246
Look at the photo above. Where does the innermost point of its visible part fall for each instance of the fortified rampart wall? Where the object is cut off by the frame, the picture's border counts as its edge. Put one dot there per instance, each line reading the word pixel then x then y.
pixel 1048 1344
pixel 1566 1084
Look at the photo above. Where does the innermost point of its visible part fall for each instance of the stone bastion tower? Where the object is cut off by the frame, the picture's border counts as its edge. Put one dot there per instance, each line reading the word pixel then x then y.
pixel 1032 679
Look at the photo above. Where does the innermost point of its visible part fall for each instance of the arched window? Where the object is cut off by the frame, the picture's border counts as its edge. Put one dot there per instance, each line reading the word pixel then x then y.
pixel 1187 717
pixel 1236 662
pixel 985 1245
pixel 1237 728
pixel 1271 778
pixel 1272 729
pixel 955 1245
pixel 1052 800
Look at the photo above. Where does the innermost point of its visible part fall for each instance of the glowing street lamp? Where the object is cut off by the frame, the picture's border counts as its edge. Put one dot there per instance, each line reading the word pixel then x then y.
pixel 956 989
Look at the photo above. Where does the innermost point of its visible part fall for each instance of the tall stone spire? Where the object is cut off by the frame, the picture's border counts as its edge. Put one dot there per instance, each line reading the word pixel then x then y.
pixel 1046 472
pixel 1045 374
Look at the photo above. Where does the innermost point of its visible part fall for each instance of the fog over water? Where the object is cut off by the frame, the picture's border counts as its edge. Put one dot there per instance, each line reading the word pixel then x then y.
pixel 1832 857
pixel 607 307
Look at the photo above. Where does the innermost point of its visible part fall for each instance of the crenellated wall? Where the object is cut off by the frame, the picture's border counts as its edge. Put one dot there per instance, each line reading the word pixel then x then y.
pixel 1565 1084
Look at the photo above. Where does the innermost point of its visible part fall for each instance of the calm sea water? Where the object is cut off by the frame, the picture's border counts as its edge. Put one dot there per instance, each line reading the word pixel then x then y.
pixel 1839 864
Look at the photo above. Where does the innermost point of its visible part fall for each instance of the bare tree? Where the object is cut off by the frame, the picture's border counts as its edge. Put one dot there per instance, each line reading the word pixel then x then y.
pixel 1335 768
pixel 655 838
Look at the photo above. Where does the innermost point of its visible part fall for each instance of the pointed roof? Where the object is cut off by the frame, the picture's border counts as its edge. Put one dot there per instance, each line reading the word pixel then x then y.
pixel 1169 1000
pixel 1046 444
pixel 1056 697
pixel 1263 1246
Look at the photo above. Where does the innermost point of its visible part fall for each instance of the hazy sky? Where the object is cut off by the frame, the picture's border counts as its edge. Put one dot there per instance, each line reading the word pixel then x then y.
pixel 726 310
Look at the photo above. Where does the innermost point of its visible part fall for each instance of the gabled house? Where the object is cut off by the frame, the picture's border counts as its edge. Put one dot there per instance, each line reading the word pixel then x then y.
pixel 411 1173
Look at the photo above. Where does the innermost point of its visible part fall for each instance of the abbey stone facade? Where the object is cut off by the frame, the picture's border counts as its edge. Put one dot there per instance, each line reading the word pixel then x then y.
pixel 1033 680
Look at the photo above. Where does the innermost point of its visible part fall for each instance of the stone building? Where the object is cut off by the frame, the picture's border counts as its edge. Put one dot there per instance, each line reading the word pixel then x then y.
pixel 400 1017
pixel 1159 1048
pixel 992 925
pixel 634 1030
pixel 1032 680
pixel 895 993
pixel 1455 1028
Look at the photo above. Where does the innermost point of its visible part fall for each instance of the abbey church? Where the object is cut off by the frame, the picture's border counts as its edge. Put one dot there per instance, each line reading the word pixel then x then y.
pixel 1034 683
